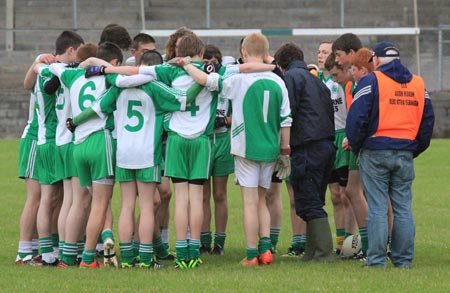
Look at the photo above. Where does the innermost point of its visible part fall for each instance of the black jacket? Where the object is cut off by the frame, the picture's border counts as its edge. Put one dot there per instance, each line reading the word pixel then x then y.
pixel 311 106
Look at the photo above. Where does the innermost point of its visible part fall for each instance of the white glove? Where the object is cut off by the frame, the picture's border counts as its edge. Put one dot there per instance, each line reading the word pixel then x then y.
pixel 283 166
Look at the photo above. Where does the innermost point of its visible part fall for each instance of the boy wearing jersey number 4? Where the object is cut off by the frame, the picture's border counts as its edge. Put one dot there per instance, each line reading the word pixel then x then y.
pixel 260 108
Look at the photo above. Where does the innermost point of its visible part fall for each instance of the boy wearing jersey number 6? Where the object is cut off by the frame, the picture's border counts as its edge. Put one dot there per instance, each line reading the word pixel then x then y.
pixel 139 119
pixel 261 113
pixel 94 148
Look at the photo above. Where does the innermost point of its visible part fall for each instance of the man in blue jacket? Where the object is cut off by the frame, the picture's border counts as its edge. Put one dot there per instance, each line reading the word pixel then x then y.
pixel 312 149
pixel 389 123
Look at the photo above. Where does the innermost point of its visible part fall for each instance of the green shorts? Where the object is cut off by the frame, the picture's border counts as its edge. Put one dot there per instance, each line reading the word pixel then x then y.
pixel 188 158
pixel 222 162
pixel 152 174
pixel 353 164
pixel 47 163
pixel 342 156
pixel 65 167
pixel 95 158
pixel 28 158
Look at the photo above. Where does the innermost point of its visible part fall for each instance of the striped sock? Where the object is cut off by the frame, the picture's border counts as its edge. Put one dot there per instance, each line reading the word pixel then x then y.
pixel 252 252
pixel 274 235
pixel 146 253
pixel 219 239
pixel 126 252
pixel 70 253
pixel 194 248
pixel 364 239
pixel 181 249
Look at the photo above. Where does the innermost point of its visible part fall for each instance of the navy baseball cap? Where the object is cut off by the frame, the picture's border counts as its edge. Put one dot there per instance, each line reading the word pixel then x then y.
pixel 386 49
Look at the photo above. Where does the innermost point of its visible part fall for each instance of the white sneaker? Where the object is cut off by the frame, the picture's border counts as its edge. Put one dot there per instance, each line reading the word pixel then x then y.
pixel 109 257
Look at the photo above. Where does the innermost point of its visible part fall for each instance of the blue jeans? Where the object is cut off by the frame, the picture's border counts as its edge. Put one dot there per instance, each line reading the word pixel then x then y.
pixel 389 174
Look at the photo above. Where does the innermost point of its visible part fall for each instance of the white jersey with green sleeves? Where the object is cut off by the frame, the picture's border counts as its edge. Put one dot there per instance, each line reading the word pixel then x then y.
pixel 63 111
pixel 338 98
pixel 45 108
pixel 31 129
pixel 83 93
pixel 224 105
pixel 260 107
pixel 200 115
pixel 139 116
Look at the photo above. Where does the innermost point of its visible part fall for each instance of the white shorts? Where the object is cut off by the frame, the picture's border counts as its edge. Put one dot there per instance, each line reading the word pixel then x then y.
pixel 253 173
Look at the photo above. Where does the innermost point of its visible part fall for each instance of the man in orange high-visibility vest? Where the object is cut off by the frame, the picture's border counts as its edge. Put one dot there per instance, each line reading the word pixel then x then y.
pixel 389 123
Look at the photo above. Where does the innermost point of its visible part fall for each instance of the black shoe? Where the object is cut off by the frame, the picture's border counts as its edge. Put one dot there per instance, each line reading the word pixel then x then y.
pixel 169 256
pixel 295 251
pixel 204 249
pixel 218 250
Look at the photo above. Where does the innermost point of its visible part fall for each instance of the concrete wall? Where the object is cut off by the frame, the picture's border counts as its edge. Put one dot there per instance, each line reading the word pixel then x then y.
pixel 40 21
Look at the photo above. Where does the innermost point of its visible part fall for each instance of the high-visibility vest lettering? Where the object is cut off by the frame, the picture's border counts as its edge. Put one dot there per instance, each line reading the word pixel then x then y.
pixel 400 107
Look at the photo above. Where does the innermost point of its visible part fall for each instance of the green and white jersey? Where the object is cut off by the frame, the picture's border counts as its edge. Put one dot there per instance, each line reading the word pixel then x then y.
pixel 223 105
pixel 139 116
pixel 45 109
pixel 260 107
pixel 83 93
pixel 31 129
pixel 338 98
pixel 63 111
pixel 199 116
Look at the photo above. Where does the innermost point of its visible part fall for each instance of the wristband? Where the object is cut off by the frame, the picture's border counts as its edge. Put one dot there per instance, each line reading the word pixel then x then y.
pixel 37 60
pixel 285 150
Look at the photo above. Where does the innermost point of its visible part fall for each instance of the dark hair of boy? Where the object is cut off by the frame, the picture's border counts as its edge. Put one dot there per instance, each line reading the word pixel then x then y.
pixel 331 62
pixel 287 53
pixel 108 51
pixel 66 40
pixel 116 34
pixel 142 38
pixel 191 45
pixel 150 58
pixel 212 51
pixel 346 43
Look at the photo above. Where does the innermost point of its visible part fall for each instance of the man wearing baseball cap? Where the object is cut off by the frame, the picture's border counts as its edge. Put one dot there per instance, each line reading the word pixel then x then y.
pixel 389 123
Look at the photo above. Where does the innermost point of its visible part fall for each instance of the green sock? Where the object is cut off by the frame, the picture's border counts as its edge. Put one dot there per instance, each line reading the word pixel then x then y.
pixel 61 248
pixel 252 252
pixel 35 247
pixel 194 248
pixel 219 239
pixel 296 241
pixel 146 253
pixel 340 233
pixel 181 249
pixel 46 244
pixel 80 245
pixel 264 245
pixel 25 249
pixel 126 252
pixel 159 248
pixel 303 240
pixel 274 235
pixel 55 240
pixel 347 234
pixel 205 239
pixel 69 253
pixel 364 239
pixel 136 245
pixel 107 233
pixel 88 256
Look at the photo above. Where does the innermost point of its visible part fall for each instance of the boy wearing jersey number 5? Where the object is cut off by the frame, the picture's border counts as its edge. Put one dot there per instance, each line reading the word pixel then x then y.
pixel 261 113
